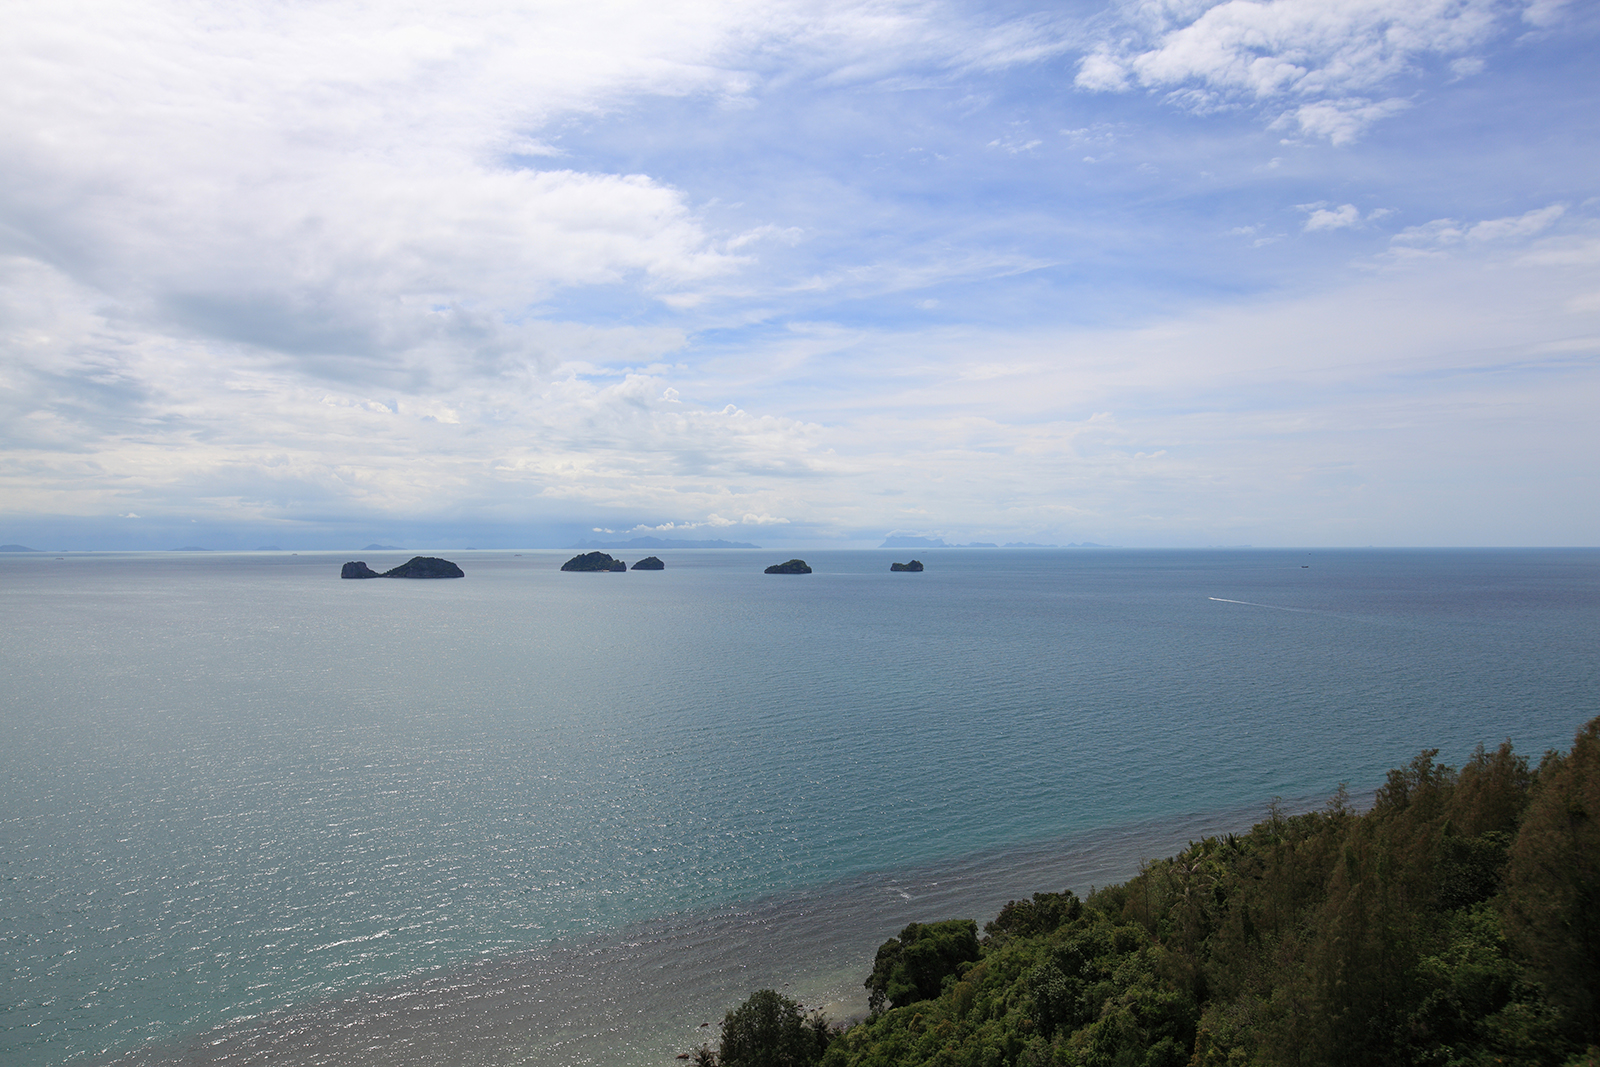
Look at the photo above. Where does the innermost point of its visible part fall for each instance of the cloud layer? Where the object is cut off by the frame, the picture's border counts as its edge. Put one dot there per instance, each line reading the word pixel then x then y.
pixel 1326 66
pixel 1149 273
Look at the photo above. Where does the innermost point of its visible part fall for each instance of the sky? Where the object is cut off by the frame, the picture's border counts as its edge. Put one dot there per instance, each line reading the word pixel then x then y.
pixel 1141 273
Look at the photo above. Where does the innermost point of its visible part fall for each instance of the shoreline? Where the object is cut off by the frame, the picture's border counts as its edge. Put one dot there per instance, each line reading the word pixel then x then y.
pixel 640 995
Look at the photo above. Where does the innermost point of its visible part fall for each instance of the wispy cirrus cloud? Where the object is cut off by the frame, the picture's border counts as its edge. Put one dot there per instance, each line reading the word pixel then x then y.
pixel 1442 233
pixel 1323 66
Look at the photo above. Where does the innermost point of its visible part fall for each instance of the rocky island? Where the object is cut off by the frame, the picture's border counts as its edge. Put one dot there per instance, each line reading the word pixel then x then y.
pixel 794 566
pixel 593 562
pixel 415 567
pixel 650 563
pixel 914 565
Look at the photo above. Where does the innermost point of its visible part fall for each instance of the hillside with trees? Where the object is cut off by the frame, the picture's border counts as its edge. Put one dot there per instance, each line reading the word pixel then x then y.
pixel 1456 922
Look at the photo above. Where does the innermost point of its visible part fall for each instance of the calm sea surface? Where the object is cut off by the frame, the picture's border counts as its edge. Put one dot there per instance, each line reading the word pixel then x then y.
pixel 252 813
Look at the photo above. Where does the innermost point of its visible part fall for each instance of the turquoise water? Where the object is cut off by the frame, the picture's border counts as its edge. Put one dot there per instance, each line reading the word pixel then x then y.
pixel 252 811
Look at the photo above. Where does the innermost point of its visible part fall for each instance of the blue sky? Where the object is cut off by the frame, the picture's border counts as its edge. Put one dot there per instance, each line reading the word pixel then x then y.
pixel 1170 272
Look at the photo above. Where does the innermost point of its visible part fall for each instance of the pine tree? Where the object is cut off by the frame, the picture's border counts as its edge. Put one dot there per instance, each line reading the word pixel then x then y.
pixel 1552 903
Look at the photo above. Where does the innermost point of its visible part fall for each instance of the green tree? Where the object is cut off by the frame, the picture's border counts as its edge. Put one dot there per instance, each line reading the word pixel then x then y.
pixel 913 966
pixel 1553 884
pixel 1034 918
pixel 770 1030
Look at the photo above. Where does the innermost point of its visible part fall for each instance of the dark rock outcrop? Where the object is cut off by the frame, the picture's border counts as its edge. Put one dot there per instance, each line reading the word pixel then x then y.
pixel 650 563
pixel 914 565
pixel 594 561
pixel 415 567
pixel 794 566
pixel 425 567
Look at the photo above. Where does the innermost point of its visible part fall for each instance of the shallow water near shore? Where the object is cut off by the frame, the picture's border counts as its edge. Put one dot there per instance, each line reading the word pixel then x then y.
pixel 253 812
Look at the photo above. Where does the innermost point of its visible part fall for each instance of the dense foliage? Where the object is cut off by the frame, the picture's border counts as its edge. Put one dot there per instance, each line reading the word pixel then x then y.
pixel 913 966
pixel 1455 923
pixel 769 1030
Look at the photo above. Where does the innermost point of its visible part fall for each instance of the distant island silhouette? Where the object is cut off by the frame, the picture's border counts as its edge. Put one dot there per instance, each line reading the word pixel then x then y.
pixel 658 542
pixel 17 548
pixel 910 541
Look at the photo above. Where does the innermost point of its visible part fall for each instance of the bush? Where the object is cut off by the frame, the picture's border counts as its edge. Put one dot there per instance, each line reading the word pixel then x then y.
pixel 770 1030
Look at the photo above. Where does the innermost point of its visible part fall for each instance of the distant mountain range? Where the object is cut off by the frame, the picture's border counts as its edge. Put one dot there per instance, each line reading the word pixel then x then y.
pixel 658 542
pixel 17 548
pixel 907 541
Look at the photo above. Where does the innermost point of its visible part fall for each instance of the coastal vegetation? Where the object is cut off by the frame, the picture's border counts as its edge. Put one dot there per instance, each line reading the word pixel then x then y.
pixel 1455 923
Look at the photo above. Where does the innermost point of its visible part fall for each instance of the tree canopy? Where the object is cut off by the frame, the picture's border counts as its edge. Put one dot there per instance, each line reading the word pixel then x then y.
pixel 769 1030
pixel 1454 924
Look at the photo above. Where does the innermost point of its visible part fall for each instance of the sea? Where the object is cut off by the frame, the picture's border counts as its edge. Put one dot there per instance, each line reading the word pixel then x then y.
pixel 253 813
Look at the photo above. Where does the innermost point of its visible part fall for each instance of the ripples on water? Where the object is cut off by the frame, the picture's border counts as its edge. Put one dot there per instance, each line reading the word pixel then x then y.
pixel 523 815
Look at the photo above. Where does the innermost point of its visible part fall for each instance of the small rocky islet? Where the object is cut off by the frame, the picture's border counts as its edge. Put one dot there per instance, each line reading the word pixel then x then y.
pixel 594 562
pixel 415 567
pixel 913 566
pixel 585 562
pixel 603 563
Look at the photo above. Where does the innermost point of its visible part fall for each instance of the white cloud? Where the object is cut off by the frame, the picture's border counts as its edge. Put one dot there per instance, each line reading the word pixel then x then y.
pixel 1441 233
pixel 1338 218
pixel 1340 121
pixel 1330 54
pixel 1524 225
pixel 1321 216
pixel 1544 13
pixel 369 191
pixel 270 261
pixel 711 521
pixel 1102 72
